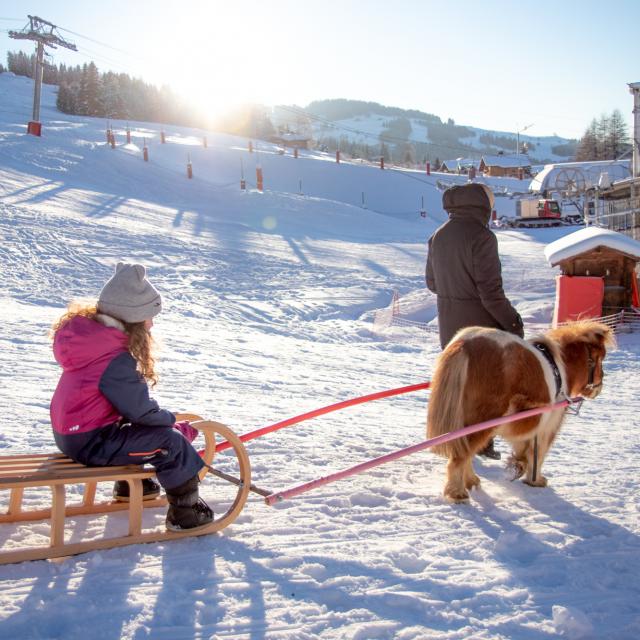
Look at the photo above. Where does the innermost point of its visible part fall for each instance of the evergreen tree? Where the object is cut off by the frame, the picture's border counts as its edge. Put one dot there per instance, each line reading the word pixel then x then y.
pixel 110 98
pixel 588 145
pixel 66 100
pixel 20 63
pixel 408 154
pixel 88 100
pixel 49 73
pixel 602 135
pixel 605 139
pixel 617 138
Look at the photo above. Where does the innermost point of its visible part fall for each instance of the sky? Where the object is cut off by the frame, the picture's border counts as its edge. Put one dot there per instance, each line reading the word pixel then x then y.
pixel 549 67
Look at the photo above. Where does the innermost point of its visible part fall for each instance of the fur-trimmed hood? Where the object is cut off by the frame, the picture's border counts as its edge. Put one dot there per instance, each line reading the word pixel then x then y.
pixel 474 201
pixel 82 341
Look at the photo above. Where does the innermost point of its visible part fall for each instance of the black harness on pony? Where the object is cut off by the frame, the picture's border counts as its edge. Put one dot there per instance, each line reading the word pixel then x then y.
pixel 546 352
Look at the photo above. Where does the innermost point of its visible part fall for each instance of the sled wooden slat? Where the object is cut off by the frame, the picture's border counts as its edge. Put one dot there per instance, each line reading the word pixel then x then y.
pixel 135 507
pixel 89 493
pixel 81 509
pixel 42 463
pixel 57 515
pixel 36 465
pixel 15 500
pixel 32 456
pixel 73 548
pixel 55 471
pixel 73 476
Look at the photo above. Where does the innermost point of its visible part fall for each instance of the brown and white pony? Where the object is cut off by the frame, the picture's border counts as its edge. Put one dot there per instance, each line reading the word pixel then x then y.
pixel 487 373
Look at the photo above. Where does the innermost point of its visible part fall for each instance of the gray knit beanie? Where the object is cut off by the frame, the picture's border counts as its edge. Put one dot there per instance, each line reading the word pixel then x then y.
pixel 129 296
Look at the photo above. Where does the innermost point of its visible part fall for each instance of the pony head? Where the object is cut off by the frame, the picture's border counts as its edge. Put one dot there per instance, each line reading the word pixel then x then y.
pixel 583 346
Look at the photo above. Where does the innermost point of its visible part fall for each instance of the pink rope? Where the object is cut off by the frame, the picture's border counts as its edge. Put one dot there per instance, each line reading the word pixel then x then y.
pixel 328 409
pixel 426 444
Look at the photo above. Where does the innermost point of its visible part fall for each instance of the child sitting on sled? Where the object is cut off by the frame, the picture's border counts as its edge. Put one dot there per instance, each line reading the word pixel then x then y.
pixel 101 411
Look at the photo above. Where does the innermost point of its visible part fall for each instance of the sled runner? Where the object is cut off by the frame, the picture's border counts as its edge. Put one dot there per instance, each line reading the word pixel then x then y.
pixel 57 471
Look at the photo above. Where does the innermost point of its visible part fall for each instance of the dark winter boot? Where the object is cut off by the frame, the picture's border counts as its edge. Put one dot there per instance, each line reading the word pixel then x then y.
pixel 187 511
pixel 150 490
pixel 490 451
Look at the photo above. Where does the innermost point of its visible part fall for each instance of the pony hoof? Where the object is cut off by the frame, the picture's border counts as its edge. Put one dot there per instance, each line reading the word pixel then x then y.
pixel 540 482
pixel 516 468
pixel 457 498
pixel 473 482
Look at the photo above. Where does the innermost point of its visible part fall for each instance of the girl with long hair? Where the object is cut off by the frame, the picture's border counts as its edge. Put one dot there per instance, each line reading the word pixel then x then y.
pixel 101 411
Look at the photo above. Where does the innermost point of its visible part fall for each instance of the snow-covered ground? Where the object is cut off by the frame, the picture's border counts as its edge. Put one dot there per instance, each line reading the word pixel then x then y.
pixel 270 300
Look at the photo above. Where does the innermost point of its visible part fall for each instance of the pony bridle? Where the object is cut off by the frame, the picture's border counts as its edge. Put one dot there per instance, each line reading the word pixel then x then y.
pixel 591 362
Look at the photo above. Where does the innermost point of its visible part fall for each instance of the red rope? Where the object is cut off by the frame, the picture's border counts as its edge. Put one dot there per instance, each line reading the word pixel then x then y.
pixel 328 409
pixel 425 444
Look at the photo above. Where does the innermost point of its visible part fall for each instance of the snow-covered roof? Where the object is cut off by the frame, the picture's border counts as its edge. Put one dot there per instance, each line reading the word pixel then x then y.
pixel 587 239
pixel 560 176
pixel 507 161
pixel 460 162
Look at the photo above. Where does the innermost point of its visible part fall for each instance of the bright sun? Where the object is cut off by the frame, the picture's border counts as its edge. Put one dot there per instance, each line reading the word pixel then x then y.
pixel 233 61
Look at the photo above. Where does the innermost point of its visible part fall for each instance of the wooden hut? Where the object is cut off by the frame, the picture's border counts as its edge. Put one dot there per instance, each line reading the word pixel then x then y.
pixel 292 140
pixel 597 253
pixel 448 166
pixel 502 166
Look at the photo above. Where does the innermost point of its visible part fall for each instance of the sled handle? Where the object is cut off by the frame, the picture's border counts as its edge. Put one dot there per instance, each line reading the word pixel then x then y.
pixel 210 429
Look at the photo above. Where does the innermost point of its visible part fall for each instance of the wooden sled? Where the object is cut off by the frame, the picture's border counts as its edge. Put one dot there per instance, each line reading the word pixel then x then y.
pixel 56 471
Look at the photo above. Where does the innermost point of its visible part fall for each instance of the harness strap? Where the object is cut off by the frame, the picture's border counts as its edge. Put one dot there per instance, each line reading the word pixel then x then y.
pixel 592 369
pixel 545 351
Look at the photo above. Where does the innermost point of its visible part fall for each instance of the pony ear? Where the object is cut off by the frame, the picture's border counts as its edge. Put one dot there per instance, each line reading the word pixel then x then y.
pixel 605 336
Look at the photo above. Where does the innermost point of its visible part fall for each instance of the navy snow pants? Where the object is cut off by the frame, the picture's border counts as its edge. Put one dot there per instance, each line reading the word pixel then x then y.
pixel 172 455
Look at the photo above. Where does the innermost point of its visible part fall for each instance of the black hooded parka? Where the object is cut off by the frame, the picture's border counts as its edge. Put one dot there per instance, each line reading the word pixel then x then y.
pixel 463 266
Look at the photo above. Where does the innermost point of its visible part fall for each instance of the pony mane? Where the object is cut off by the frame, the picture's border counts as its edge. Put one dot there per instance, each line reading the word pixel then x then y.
pixel 588 331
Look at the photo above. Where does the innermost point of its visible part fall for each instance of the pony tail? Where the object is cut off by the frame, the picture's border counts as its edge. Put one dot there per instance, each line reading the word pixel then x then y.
pixel 445 412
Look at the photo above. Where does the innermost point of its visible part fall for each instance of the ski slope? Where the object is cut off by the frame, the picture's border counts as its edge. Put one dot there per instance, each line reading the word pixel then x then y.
pixel 269 302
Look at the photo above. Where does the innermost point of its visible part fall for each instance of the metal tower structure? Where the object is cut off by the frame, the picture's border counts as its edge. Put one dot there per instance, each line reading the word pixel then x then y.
pixel 634 88
pixel 42 32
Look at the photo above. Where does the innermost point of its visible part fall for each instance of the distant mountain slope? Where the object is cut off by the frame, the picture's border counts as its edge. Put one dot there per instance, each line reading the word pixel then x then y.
pixel 409 135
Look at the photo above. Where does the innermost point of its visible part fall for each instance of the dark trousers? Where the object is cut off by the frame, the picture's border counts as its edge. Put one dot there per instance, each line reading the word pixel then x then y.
pixel 166 449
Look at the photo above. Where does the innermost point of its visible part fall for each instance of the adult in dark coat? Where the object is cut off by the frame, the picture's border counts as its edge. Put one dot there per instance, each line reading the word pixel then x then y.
pixel 463 266
pixel 464 271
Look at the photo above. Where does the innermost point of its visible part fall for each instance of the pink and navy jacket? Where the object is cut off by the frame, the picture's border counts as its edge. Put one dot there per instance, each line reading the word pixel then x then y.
pixel 100 384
